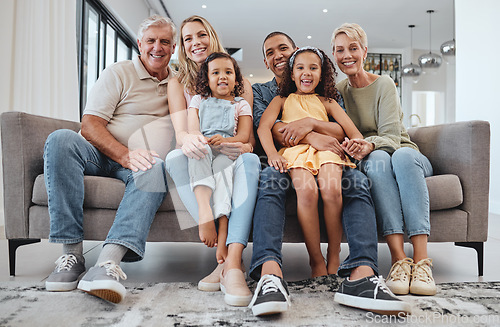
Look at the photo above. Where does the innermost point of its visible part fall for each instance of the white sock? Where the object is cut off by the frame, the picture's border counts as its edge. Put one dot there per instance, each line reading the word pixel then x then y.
pixel 113 252
pixel 75 249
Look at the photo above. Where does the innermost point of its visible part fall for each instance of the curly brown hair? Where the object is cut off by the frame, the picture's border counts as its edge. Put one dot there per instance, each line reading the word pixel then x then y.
pixel 326 87
pixel 202 86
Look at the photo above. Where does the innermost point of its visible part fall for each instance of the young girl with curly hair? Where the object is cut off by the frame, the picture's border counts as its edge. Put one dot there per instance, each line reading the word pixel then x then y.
pixel 218 115
pixel 308 90
pixel 197 40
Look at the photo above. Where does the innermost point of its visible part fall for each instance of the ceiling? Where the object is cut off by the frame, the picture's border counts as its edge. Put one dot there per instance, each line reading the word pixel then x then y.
pixel 245 24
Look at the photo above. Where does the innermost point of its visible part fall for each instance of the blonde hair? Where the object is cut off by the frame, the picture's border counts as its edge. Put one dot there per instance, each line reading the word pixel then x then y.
pixel 353 31
pixel 188 69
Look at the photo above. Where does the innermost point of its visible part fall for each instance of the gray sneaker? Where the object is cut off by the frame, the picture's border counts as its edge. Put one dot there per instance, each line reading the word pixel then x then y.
pixel 104 281
pixel 66 275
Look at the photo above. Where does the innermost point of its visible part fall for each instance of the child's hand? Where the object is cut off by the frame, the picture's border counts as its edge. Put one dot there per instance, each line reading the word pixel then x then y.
pixel 278 162
pixel 217 139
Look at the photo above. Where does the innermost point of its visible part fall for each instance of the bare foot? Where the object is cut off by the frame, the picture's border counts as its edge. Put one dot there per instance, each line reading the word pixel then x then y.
pixel 318 267
pixel 333 260
pixel 206 230
pixel 221 253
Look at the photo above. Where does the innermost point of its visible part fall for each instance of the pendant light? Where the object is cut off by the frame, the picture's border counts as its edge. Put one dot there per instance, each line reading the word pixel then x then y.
pixel 411 71
pixel 448 47
pixel 430 62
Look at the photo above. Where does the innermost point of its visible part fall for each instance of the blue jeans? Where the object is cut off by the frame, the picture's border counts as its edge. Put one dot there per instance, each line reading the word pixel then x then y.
pixel 246 178
pixel 399 190
pixel 67 158
pixel 358 220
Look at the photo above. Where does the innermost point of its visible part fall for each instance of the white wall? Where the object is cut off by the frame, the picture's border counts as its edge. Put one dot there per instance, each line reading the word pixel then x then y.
pixel 477 71
pixel 6 37
pixel 6 23
pixel 130 12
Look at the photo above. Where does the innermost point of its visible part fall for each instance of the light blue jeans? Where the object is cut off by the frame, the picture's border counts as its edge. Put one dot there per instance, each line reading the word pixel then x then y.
pixel 215 172
pixel 246 179
pixel 67 158
pixel 399 190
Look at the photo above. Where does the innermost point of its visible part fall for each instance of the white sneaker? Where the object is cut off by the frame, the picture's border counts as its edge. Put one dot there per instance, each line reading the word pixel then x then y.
pixel 422 282
pixel 399 277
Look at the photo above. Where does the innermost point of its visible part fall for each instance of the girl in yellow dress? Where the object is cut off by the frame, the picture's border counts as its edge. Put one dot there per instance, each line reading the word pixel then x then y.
pixel 308 91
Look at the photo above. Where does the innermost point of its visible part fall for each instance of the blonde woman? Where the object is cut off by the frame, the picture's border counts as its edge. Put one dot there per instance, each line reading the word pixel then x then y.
pixel 392 162
pixel 197 41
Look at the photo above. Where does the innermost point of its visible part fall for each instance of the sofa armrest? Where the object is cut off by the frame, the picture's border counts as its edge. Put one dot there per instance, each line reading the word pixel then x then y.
pixel 462 149
pixel 23 140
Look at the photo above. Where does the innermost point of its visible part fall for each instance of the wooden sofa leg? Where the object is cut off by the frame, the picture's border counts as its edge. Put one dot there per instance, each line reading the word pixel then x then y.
pixel 13 245
pixel 479 247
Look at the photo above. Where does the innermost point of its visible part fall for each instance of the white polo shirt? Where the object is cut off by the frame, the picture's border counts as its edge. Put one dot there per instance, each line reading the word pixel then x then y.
pixel 135 105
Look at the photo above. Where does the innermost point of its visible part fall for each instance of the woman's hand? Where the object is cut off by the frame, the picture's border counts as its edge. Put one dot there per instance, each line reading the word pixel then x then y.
pixel 234 149
pixel 278 162
pixel 295 131
pixel 193 146
pixel 357 148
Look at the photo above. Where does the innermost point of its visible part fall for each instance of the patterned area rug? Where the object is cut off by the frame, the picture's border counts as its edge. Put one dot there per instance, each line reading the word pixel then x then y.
pixel 181 304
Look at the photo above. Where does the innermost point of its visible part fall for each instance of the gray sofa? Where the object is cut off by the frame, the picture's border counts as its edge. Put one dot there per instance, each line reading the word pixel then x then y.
pixel 459 153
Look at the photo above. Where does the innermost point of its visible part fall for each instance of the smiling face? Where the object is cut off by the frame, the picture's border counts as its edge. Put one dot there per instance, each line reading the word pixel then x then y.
pixel 349 55
pixel 277 50
pixel 156 48
pixel 196 41
pixel 221 78
pixel 306 72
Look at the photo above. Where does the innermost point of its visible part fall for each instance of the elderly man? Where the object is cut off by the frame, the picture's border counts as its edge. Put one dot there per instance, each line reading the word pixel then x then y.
pixel 125 131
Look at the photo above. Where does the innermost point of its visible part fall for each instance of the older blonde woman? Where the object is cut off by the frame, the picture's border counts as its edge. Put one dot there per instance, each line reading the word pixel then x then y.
pixel 391 161
pixel 197 41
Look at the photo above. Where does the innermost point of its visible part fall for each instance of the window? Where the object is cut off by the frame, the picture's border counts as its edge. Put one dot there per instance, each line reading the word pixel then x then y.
pixel 102 41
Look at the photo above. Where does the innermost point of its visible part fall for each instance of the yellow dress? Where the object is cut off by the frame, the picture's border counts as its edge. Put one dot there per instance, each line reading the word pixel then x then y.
pixel 303 155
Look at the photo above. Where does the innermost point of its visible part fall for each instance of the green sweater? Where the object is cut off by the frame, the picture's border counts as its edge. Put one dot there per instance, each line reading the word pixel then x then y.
pixel 376 112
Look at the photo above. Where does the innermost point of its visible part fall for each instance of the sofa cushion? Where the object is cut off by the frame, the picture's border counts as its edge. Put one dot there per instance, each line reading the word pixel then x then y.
pixel 445 191
pixel 100 192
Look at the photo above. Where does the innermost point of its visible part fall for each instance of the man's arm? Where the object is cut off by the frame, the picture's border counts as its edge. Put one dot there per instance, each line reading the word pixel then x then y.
pixel 319 141
pixel 300 130
pixel 95 132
